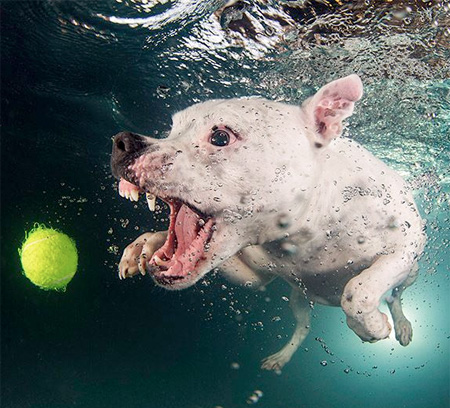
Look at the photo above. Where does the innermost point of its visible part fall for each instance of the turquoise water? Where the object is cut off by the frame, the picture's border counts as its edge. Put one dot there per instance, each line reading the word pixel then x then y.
pixel 74 73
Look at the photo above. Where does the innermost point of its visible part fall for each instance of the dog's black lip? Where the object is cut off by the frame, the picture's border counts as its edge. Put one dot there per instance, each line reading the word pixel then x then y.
pixel 158 274
pixel 167 279
pixel 119 165
pixel 119 170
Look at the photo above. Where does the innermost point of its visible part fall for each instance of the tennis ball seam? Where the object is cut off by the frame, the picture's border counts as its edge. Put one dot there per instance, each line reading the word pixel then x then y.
pixel 36 242
pixel 70 275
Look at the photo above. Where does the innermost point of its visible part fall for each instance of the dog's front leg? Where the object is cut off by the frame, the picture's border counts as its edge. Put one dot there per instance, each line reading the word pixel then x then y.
pixel 301 309
pixel 249 268
pixel 238 272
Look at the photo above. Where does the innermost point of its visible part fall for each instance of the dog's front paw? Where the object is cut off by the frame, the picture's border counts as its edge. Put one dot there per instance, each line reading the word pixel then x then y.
pixel 276 361
pixel 136 256
pixel 370 327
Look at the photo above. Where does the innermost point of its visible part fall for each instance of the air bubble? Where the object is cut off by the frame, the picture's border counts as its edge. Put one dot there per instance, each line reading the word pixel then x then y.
pixel 255 397
pixel 162 91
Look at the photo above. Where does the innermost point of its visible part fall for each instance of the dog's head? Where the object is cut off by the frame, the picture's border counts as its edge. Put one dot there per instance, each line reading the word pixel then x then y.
pixel 233 172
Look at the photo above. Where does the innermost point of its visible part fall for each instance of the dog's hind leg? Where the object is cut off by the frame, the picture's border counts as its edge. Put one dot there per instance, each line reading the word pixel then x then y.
pixel 301 309
pixel 363 293
pixel 402 326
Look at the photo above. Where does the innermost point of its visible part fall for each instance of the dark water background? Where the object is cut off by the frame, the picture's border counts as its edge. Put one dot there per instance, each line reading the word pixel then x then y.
pixel 74 73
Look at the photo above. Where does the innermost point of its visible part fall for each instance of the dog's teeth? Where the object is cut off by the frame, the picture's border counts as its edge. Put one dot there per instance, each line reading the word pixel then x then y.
pixel 134 196
pixel 151 201
pixel 158 261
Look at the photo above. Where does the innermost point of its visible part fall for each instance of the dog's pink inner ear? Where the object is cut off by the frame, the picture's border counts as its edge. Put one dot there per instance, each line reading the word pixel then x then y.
pixel 333 103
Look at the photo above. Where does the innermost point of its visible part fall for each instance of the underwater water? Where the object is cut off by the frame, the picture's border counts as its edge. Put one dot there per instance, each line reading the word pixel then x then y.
pixel 74 73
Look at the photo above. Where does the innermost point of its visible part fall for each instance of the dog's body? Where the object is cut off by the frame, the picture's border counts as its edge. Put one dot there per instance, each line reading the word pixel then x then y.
pixel 262 189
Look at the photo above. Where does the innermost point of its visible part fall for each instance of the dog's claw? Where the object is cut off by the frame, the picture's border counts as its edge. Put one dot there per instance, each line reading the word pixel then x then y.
pixel 136 255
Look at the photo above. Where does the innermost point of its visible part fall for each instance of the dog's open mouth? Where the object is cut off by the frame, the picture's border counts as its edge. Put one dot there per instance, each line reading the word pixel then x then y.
pixel 187 242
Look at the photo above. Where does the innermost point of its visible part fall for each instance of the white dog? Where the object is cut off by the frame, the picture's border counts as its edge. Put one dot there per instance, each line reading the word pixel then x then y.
pixel 261 189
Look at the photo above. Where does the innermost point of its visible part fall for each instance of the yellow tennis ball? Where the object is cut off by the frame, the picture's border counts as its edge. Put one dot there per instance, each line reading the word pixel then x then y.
pixel 49 258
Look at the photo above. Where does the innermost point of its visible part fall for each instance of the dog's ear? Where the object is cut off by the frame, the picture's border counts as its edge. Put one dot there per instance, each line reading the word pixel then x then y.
pixel 333 103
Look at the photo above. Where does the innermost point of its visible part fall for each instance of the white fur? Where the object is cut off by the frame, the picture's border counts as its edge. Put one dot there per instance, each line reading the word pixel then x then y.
pixel 292 199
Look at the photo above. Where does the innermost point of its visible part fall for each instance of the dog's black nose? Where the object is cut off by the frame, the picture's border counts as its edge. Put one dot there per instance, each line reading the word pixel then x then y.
pixel 126 146
pixel 127 143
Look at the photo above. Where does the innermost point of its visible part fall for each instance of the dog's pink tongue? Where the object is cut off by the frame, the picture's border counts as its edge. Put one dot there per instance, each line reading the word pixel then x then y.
pixel 185 228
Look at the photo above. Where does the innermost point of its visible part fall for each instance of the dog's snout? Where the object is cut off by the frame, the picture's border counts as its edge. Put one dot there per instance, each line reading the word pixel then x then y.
pixel 126 146
pixel 128 143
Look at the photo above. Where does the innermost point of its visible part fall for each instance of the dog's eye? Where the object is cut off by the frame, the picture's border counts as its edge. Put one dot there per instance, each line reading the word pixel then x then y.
pixel 220 138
